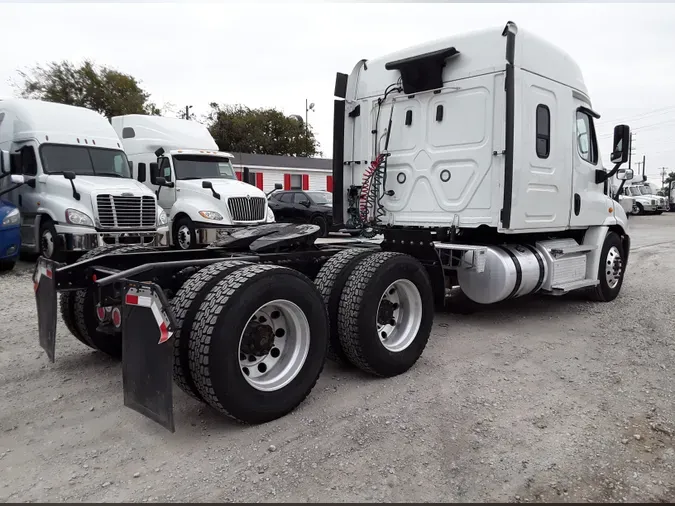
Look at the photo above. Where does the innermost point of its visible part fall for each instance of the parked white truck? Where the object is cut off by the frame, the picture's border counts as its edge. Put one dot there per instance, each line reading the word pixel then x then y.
pixel 195 183
pixel 78 192
pixel 646 200
pixel 475 156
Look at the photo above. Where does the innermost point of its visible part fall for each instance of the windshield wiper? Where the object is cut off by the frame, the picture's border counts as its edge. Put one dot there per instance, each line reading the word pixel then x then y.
pixel 115 174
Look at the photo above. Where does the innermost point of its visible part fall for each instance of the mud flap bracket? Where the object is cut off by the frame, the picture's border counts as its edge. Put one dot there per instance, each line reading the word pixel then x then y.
pixel 147 352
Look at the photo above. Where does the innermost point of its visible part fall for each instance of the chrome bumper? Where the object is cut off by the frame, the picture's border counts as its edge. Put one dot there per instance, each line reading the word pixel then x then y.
pixel 83 239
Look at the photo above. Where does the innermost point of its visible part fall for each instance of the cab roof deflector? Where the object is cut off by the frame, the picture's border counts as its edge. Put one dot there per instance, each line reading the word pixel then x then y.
pixel 422 72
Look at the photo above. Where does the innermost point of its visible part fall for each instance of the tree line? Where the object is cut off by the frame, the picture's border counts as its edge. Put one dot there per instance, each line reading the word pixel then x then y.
pixel 235 128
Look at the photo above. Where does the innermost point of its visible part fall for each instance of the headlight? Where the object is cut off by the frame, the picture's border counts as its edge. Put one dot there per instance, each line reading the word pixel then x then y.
pixel 211 215
pixel 75 217
pixel 270 214
pixel 12 218
pixel 162 218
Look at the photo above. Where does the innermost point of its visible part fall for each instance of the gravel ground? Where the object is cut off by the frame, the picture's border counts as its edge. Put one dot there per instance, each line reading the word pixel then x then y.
pixel 539 399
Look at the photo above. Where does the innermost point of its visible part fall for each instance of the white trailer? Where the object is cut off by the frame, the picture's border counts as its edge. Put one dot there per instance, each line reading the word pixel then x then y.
pixel 475 156
pixel 195 183
pixel 78 192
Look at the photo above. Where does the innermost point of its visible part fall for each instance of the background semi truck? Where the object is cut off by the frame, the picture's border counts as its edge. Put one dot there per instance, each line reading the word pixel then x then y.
pixel 475 156
pixel 195 183
pixel 78 192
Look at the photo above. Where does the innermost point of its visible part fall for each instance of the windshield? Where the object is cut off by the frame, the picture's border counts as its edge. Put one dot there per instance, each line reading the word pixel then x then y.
pixel 202 167
pixel 634 191
pixel 321 197
pixel 84 160
pixel 645 191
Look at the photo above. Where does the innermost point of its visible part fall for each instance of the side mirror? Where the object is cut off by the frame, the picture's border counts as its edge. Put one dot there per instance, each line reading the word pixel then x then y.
pixel 141 172
pixel 278 186
pixel 17 179
pixel 160 181
pixel 4 162
pixel 209 185
pixel 154 172
pixel 624 174
pixel 305 203
pixel 621 144
pixel 69 175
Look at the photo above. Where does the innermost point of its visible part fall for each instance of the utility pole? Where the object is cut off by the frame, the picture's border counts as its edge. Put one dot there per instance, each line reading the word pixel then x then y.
pixel 643 165
pixel 187 111
pixel 663 177
pixel 630 150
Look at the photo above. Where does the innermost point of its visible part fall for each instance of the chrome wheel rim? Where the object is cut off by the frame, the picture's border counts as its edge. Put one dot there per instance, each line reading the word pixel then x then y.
pixel 184 239
pixel 274 345
pixel 399 315
pixel 47 244
pixel 613 267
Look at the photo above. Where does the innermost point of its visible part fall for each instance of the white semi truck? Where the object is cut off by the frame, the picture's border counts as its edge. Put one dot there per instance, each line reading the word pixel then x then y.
pixel 78 193
pixel 646 200
pixel 195 183
pixel 476 158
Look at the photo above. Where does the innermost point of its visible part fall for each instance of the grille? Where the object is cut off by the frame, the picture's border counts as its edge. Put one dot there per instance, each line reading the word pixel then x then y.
pixel 247 209
pixel 126 212
pixel 653 202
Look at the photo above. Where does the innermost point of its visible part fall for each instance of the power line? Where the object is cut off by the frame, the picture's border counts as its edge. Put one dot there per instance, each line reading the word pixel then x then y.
pixel 657 112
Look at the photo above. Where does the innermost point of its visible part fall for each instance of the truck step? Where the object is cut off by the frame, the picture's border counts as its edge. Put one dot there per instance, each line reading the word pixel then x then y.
pixel 568 250
pixel 564 288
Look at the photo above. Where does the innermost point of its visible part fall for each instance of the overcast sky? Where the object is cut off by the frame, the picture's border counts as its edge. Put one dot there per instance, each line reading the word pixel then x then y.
pixel 276 55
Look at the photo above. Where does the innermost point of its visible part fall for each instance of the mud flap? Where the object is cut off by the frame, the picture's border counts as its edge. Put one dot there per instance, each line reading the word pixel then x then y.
pixel 147 352
pixel 44 285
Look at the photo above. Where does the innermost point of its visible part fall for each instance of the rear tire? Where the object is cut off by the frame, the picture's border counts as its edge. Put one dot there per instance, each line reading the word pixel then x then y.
pixel 330 281
pixel 386 313
pixel 218 358
pixel 610 280
pixel 86 321
pixel 185 306
pixel 640 209
pixel 67 299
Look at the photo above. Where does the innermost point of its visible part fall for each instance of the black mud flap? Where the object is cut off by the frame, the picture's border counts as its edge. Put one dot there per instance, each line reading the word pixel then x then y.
pixel 147 352
pixel 44 284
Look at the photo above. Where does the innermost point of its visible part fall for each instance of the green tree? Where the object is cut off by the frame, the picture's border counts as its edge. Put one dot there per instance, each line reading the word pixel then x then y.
pixel 237 128
pixel 101 88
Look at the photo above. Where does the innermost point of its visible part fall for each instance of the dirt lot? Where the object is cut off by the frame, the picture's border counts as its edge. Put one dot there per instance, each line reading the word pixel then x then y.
pixel 549 399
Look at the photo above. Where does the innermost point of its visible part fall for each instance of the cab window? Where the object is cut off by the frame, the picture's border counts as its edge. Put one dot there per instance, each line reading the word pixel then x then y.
pixel 587 143
pixel 165 169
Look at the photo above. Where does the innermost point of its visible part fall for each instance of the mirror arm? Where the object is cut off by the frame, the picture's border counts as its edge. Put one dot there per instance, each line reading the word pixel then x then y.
pixel 618 192
pixel 76 195
pixel 601 176
pixel 11 189
pixel 215 194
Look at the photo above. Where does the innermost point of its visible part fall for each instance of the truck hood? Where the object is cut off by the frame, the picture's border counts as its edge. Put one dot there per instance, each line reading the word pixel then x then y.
pixel 92 185
pixel 226 187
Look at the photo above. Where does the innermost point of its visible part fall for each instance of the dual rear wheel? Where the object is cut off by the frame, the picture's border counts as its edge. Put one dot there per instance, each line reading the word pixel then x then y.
pixel 252 339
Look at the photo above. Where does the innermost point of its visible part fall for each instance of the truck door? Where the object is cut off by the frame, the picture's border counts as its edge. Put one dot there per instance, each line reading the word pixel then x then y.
pixel 542 175
pixel 25 197
pixel 167 196
pixel 589 204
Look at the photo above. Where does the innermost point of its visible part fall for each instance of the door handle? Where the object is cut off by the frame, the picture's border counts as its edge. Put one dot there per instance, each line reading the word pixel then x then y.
pixel 20 200
pixel 577 204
